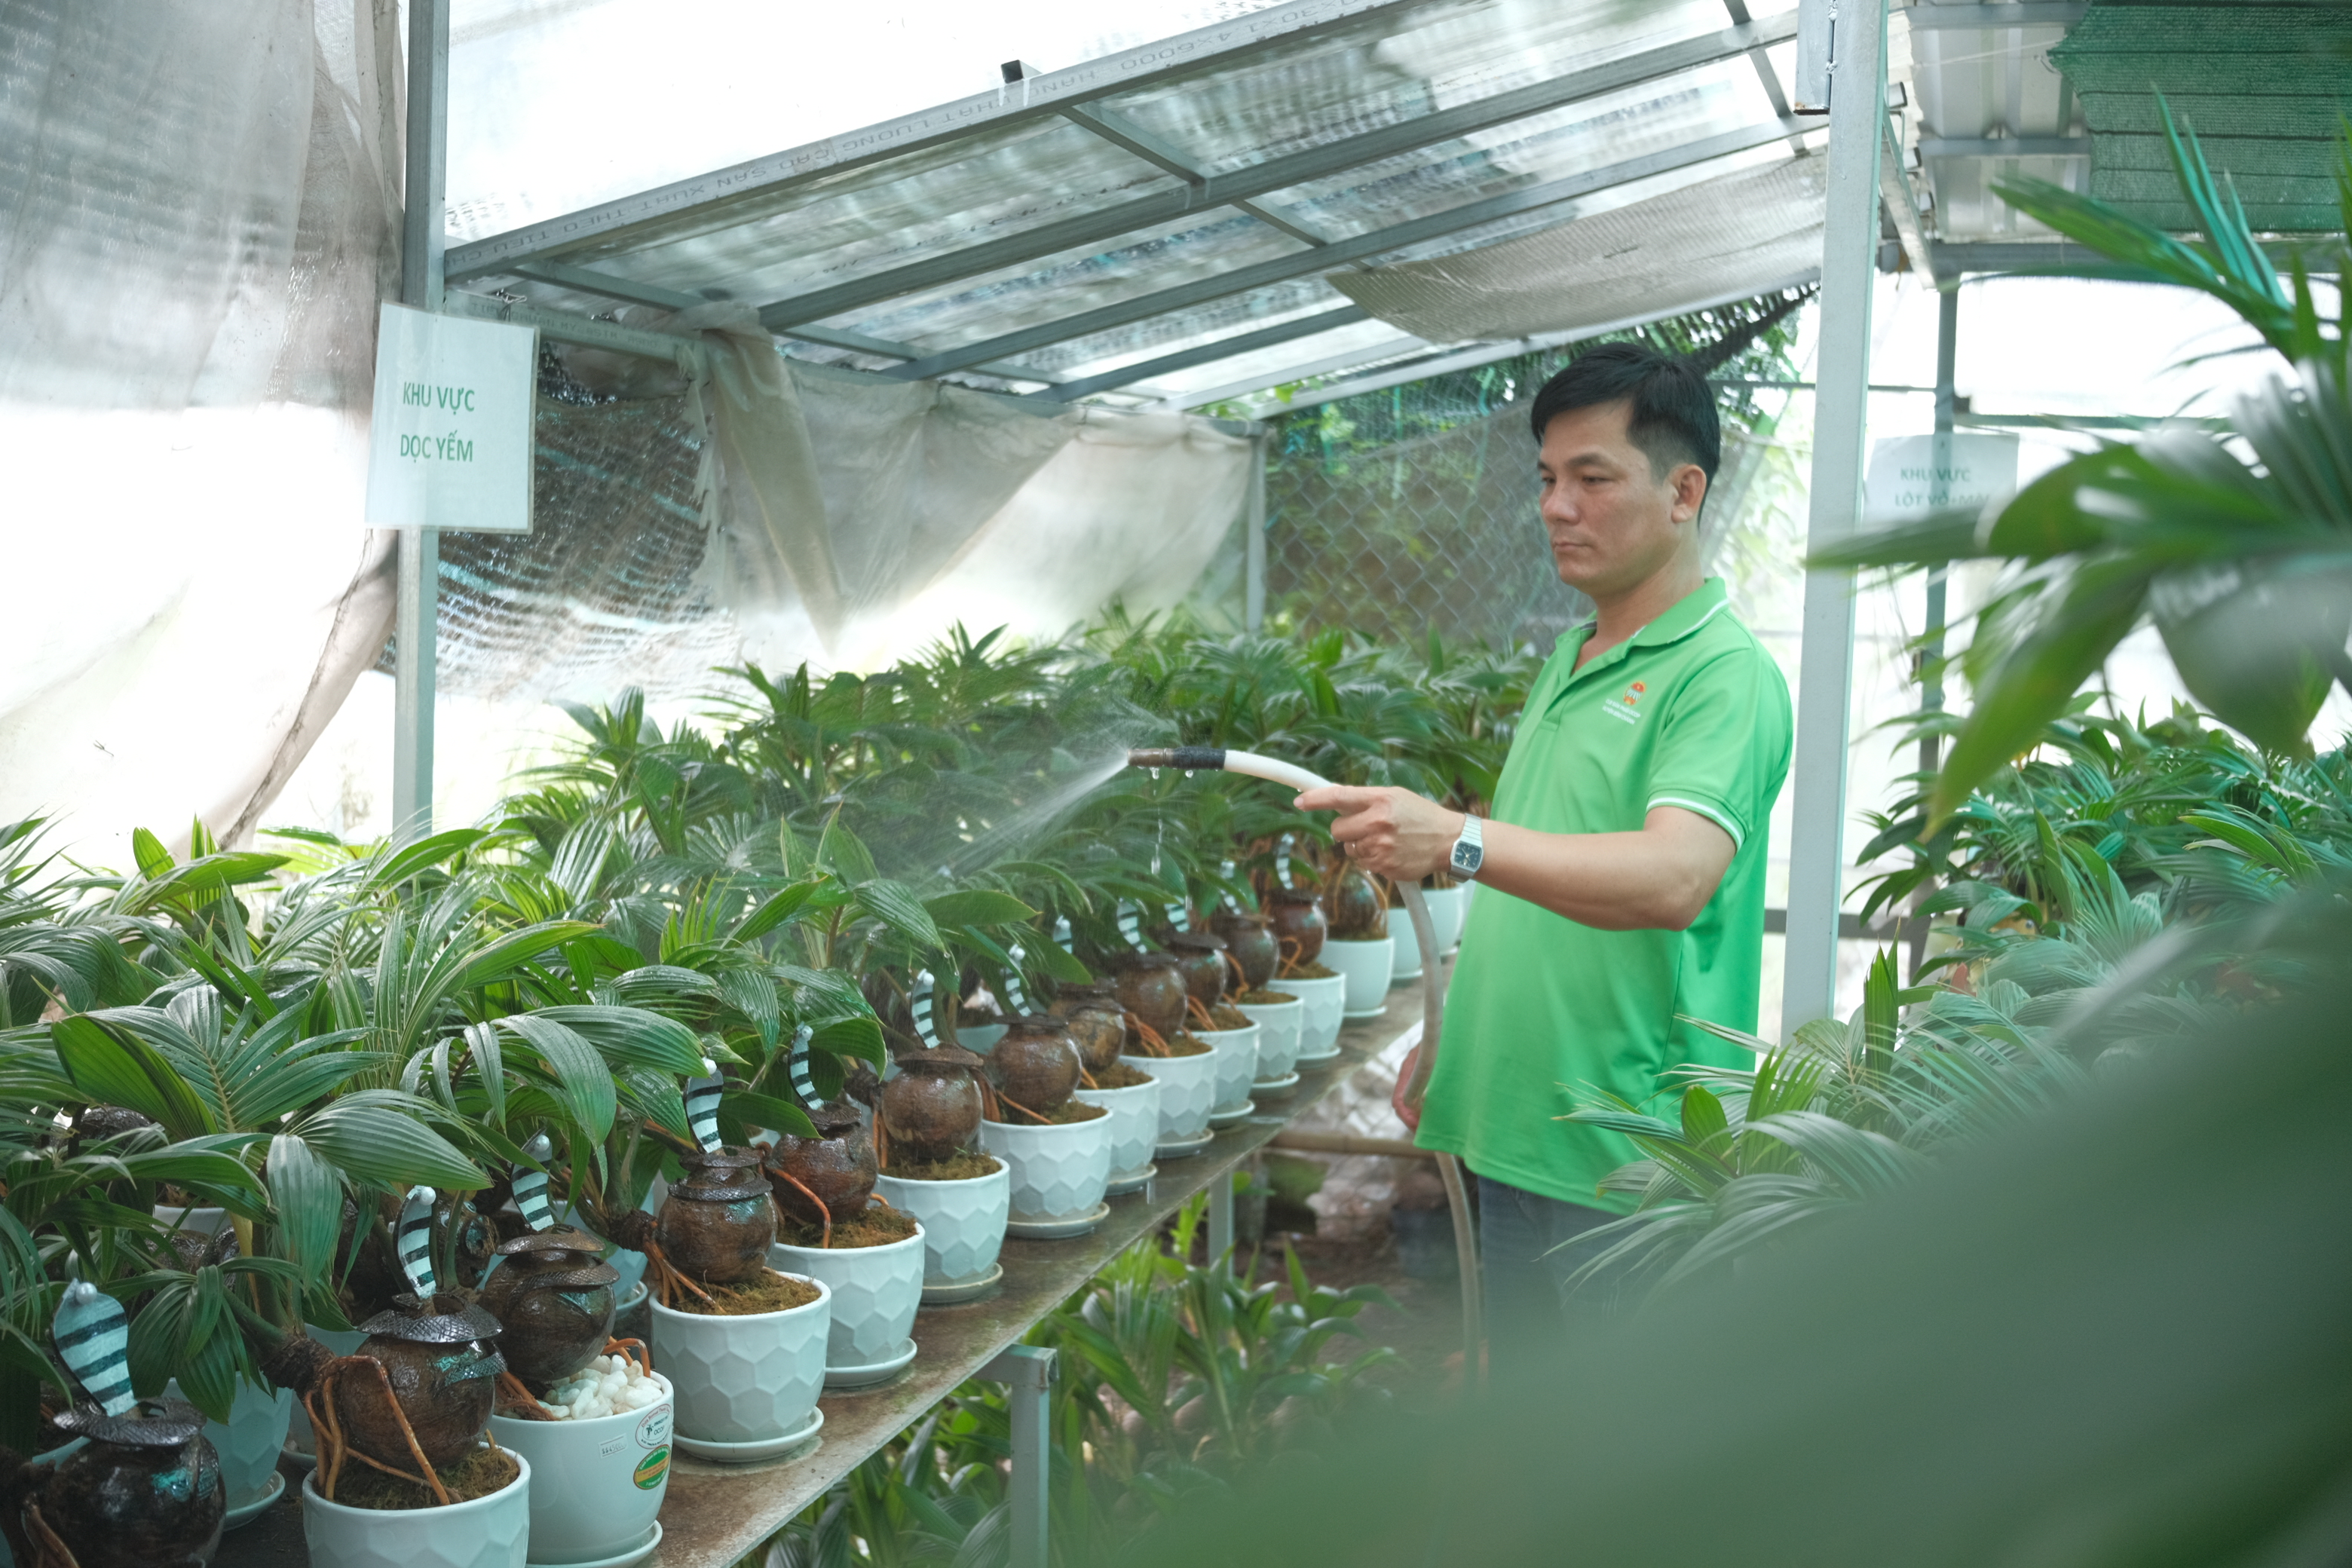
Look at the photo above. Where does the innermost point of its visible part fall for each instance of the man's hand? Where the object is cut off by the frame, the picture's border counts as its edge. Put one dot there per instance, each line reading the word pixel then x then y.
pixel 1402 836
pixel 1408 1113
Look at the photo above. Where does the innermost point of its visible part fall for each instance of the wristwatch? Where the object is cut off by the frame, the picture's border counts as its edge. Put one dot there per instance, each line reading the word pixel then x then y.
pixel 1470 849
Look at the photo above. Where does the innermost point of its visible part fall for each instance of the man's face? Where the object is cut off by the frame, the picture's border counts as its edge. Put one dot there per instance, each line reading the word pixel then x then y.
pixel 1613 524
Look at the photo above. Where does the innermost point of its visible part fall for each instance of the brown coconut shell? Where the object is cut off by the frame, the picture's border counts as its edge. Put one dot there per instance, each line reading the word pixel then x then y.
pixel 718 1223
pixel 1354 904
pixel 932 1108
pixel 1250 939
pixel 1298 924
pixel 553 1297
pixel 1201 959
pixel 147 1495
pixel 838 1165
pixel 1035 1065
pixel 444 1373
pixel 1151 987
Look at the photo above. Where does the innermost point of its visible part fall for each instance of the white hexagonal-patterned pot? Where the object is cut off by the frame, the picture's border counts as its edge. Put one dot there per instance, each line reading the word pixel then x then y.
pixel 1188 1092
pixel 1404 964
pixel 1325 1000
pixel 1134 1125
pixel 1446 907
pixel 1058 1172
pixel 963 1222
pixel 743 1380
pixel 599 1482
pixel 875 1291
pixel 248 1445
pixel 1237 1061
pixel 1364 965
pixel 1277 1036
pixel 492 1531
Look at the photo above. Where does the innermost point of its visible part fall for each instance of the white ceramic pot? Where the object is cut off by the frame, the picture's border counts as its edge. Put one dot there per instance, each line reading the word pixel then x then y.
pixel 599 1482
pixel 1277 1036
pixel 343 1342
pixel 630 1266
pixel 980 1038
pixel 1324 1001
pixel 1364 965
pixel 1446 907
pixel 1405 963
pixel 1058 1172
pixel 1236 1052
pixel 875 1291
pixel 250 1443
pixel 197 1222
pixel 492 1531
pixel 1188 1092
pixel 743 1380
pixel 963 1222
pixel 1134 1125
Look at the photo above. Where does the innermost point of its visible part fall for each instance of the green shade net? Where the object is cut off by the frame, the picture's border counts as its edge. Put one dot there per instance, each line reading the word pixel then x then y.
pixel 2265 88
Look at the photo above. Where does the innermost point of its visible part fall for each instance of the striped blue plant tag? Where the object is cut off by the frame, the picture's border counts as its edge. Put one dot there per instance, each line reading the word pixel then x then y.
pixel 1015 997
pixel 1282 857
pixel 1180 914
pixel 702 1105
pixel 1130 926
pixel 1063 936
pixel 94 1338
pixel 921 1003
pixel 1225 873
pixel 412 1242
pixel 530 1187
pixel 797 1069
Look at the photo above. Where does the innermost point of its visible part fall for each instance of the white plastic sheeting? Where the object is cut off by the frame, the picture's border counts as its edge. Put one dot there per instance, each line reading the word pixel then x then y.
pixel 199 223
pixel 1740 235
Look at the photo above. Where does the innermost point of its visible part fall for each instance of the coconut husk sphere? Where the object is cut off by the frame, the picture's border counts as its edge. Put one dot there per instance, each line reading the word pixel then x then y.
pixel 718 1224
pixel 931 1109
pixel 1097 1022
pixel 1201 960
pixel 1151 987
pixel 1355 905
pixel 838 1165
pixel 1250 939
pixel 1035 1065
pixel 1300 927
pixel 553 1297
pixel 442 1370
pixel 144 1491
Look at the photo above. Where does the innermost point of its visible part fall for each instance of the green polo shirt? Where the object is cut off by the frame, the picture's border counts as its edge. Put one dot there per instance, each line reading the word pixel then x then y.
pixel 1691 711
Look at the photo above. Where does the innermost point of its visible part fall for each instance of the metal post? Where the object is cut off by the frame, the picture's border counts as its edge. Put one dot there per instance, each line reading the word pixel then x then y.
pixel 1027 1373
pixel 1221 1217
pixel 1939 495
pixel 416 618
pixel 1253 547
pixel 1840 409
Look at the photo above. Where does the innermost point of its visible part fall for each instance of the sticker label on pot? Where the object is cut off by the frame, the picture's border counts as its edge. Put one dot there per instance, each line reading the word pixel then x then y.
pixel 651 1469
pixel 652 1430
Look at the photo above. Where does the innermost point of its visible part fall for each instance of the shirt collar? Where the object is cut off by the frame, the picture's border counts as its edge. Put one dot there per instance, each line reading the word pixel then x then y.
pixel 1684 616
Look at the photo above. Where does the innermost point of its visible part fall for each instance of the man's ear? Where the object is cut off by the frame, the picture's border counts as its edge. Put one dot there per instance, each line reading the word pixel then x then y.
pixel 1689 482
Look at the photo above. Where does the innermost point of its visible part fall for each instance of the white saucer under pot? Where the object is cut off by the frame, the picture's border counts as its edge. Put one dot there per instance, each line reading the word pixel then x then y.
pixel 963 1222
pixel 491 1531
pixel 875 1291
pixel 1446 907
pixel 1059 1170
pixel 259 1418
pixel 1277 1036
pixel 749 1379
pixel 1236 1052
pixel 1134 1126
pixel 1188 1092
pixel 598 1483
pixel 1364 965
pixel 1324 999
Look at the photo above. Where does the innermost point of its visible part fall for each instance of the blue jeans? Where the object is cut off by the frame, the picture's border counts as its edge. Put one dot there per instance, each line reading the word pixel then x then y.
pixel 1524 1278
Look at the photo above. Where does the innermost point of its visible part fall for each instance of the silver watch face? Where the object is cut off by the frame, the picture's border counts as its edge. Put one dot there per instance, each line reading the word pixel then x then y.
pixel 1466 857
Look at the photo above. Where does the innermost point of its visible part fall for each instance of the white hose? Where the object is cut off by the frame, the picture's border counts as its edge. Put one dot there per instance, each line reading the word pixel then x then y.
pixel 1432 1014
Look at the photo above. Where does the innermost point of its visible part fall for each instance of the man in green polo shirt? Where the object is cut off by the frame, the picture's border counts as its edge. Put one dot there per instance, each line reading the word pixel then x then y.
pixel 1621 878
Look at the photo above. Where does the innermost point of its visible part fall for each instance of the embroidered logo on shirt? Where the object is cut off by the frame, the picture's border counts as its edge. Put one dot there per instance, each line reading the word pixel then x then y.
pixel 1627 707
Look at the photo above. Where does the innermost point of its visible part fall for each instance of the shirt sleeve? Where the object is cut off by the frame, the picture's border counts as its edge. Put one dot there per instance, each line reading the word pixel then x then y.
pixel 1724 749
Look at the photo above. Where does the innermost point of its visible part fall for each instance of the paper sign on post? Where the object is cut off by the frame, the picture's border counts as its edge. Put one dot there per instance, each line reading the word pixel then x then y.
pixel 1907 482
pixel 449 445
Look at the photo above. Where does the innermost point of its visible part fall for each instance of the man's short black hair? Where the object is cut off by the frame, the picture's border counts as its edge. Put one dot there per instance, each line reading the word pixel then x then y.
pixel 1673 417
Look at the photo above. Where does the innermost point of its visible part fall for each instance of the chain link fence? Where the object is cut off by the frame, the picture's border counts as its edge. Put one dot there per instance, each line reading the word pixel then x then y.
pixel 1410 510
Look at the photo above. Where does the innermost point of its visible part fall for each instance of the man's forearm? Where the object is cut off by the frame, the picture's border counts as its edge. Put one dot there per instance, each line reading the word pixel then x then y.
pixel 1648 881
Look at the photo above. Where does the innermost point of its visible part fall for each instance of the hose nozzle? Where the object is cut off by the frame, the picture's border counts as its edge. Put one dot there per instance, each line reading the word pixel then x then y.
pixel 1211 759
